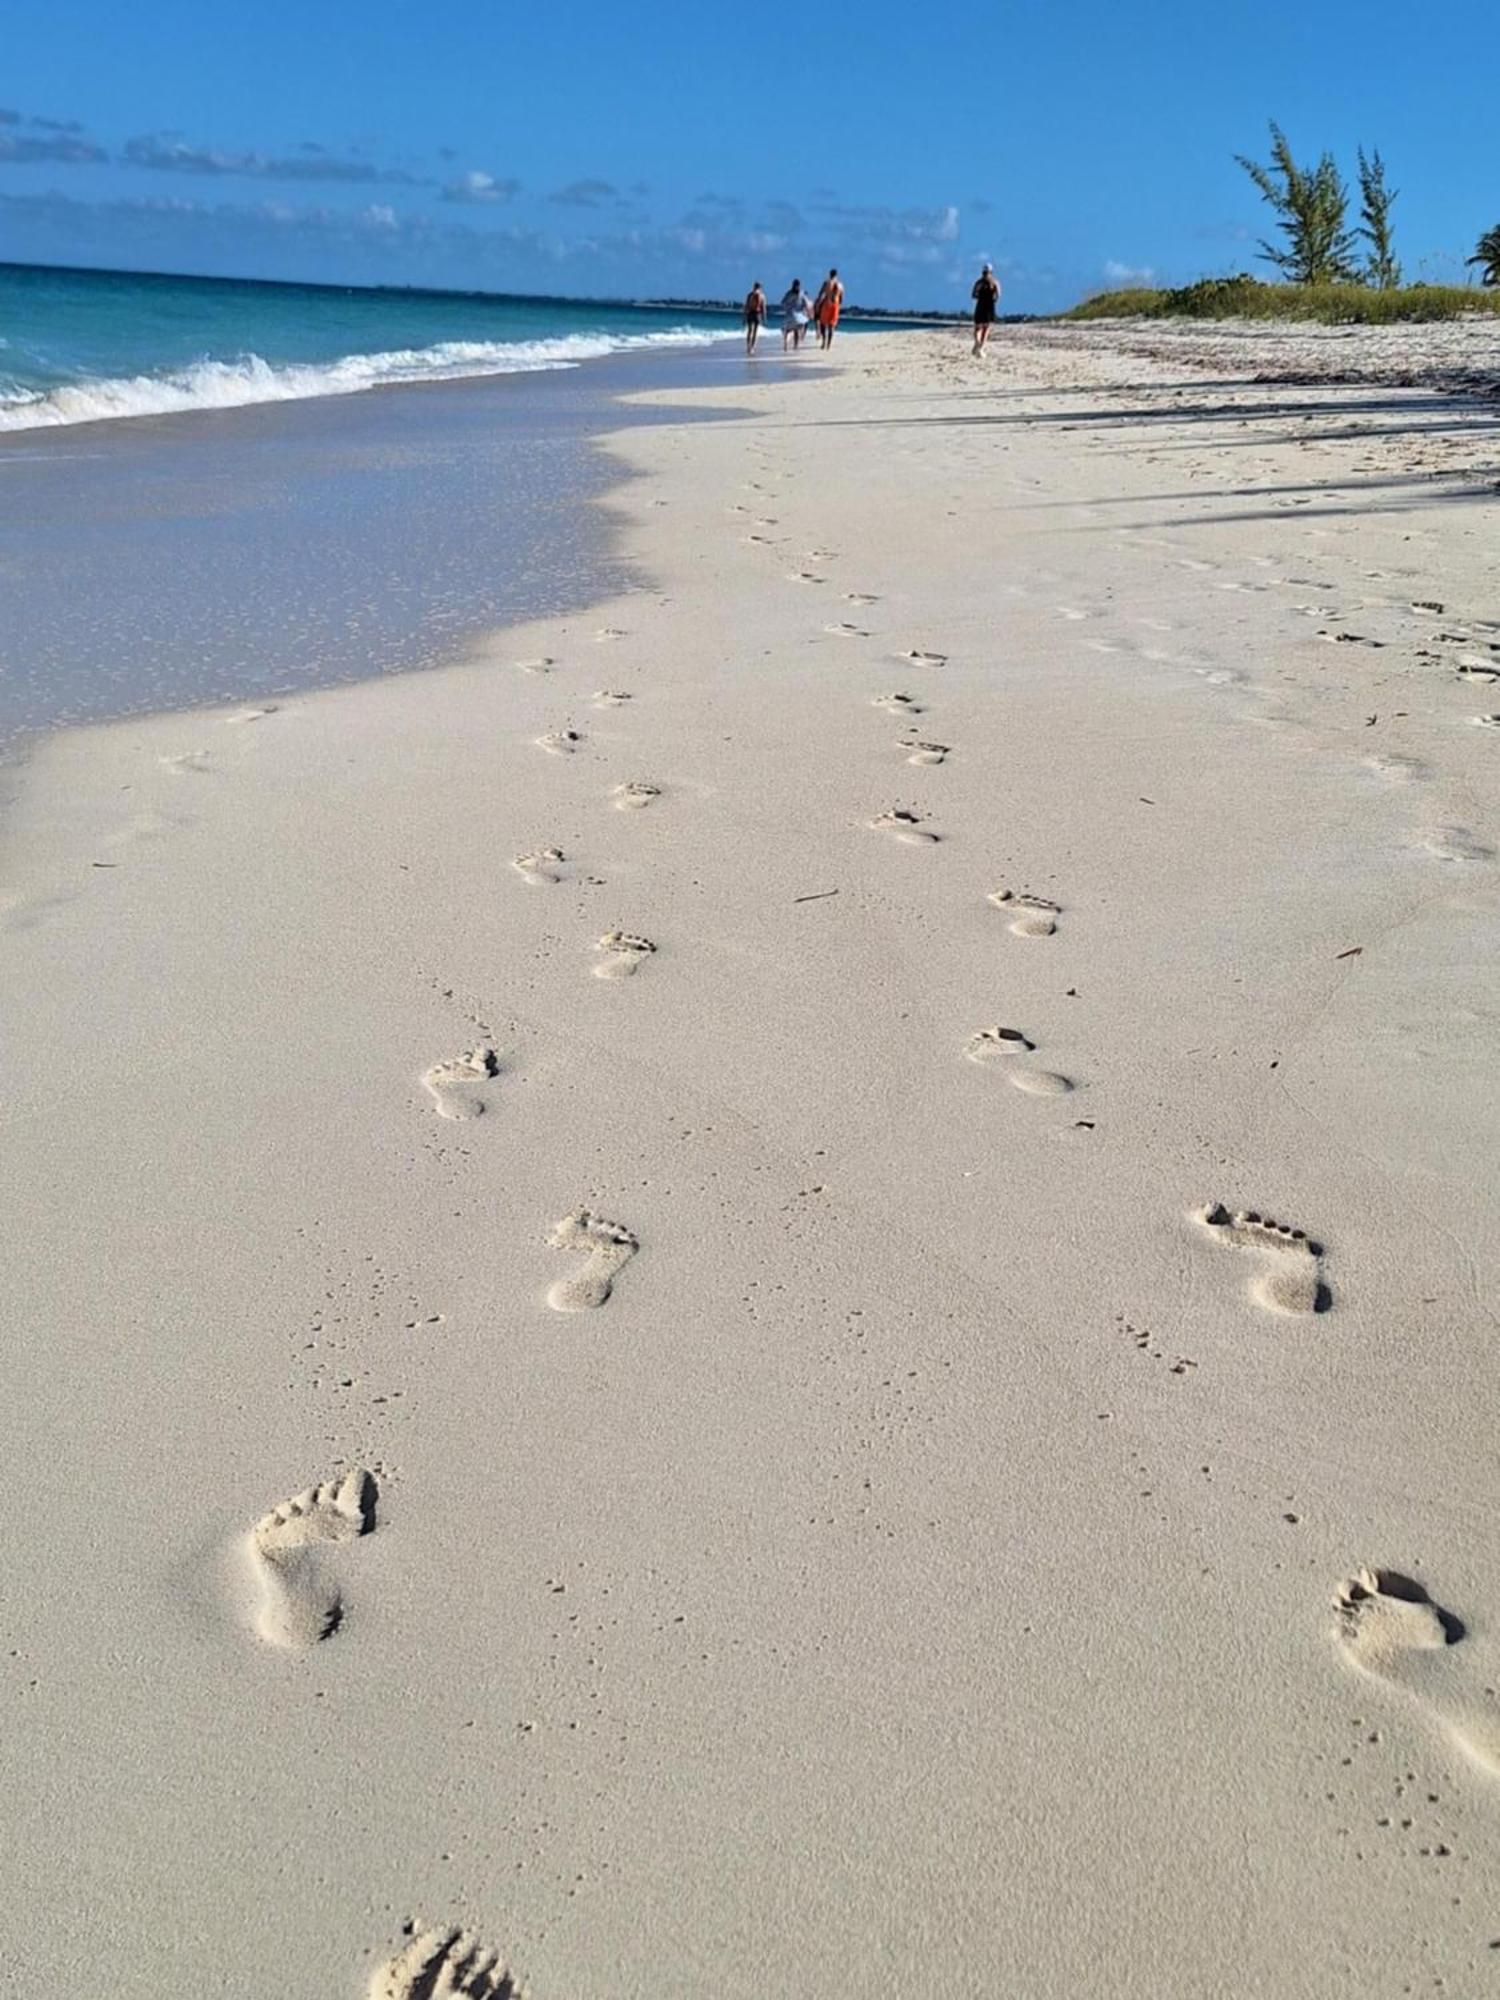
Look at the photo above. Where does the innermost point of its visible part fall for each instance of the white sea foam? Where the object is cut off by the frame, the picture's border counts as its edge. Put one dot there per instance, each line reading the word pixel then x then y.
pixel 224 385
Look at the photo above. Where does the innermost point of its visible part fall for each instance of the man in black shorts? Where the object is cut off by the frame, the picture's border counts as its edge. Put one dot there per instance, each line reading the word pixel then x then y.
pixel 986 297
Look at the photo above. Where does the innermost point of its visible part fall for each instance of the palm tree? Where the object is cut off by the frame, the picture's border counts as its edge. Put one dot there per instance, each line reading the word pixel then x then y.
pixel 1487 256
pixel 1312 204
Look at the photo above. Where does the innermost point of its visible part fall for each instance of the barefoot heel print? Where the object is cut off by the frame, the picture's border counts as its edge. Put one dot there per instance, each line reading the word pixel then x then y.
pixel 1031 916
pixel 454 1085
pixel 1292 1280
pixel 300 1602
pixel 635 793
pixel 1390 1629
pixel 541 867
pixel 1001 1046
pixel 907 826
pixel 606 1247
pixel 622 954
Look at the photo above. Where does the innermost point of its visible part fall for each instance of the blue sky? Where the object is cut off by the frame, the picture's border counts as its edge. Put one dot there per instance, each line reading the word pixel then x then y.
pixel 663 147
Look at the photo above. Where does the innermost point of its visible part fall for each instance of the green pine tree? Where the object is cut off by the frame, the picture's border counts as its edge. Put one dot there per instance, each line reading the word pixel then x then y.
pixel 1311 206
pixel 1375 201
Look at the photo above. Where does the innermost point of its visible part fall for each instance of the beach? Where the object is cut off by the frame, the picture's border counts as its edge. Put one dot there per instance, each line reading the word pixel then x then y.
pixel 785 1285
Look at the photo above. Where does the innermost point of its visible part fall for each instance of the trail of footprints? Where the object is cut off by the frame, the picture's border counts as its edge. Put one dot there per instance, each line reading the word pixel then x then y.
pixel 1387 1625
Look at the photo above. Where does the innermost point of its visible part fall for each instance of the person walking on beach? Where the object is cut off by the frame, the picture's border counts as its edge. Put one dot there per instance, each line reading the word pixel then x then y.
pixel 755 315
pixel 986 297
pixel 796 311
pixel 826 311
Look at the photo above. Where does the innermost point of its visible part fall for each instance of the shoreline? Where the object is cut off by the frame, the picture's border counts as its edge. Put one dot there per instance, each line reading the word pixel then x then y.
pixel 1049 803
pixel 109 615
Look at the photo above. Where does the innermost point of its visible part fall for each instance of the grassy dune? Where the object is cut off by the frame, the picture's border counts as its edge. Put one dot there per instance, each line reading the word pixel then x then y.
pixel 1249 298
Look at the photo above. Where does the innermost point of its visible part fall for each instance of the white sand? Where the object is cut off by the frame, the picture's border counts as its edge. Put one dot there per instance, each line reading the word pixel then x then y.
pixel 908 1561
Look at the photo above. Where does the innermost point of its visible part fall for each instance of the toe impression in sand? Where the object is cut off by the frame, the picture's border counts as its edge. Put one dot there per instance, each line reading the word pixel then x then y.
pixel 1031 916
pixel 438 1963
pixel 1292 1280
pixel 606 1248
pixel 634 794
pixel 1002 1046
pixel 1389 1628
pixel 541 867
pixel 906 826
pixel 455 1085
pixel 621 954
pixel 300 1602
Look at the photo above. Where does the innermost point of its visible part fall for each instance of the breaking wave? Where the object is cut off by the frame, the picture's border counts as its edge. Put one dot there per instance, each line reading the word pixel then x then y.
pixel 225 385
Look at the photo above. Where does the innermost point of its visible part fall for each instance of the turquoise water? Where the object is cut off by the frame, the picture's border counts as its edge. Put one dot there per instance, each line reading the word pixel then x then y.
pixel 81 346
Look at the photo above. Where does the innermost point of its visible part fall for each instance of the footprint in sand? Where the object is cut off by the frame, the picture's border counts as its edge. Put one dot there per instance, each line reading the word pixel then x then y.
pixel 610 698
pixel 1034 916
pixel 1454 843
pixel 922 659
pixel 1395 768
pixel 186 763
pixel 634 794
pixel 540 867
pixel 1478 670
pixel 1292 1281
pixel 898 704
pixel 1390 1628
pixel 300 1602
pixel 1485 721
pixel 844 630
pixel 455 1085
pixel 924 753
pixel 439 1963
pixel 623 954
pixel 1002 1045
pixel 542 664
pixel 860 597
pixel 608 1248
pixel 561 742
pixel 907 826
pixel 254 714
pixel 607 632
pixel 804 576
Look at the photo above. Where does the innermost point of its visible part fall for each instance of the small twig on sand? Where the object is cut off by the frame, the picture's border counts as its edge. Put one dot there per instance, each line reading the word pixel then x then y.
pixel 817 896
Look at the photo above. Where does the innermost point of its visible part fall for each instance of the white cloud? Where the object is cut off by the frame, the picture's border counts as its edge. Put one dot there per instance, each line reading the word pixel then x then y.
pixel 476 186
pixel 1128 274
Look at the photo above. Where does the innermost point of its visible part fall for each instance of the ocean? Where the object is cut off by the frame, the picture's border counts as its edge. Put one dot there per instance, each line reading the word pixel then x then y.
pixel 258 529
pixel 77 347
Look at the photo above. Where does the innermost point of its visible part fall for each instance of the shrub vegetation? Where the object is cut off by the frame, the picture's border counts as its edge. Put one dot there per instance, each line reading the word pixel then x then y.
pixel 1244 297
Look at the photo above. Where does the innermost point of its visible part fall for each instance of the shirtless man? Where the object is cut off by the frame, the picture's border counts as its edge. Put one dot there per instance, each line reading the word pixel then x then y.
pixel 755 315
pixel 826 311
